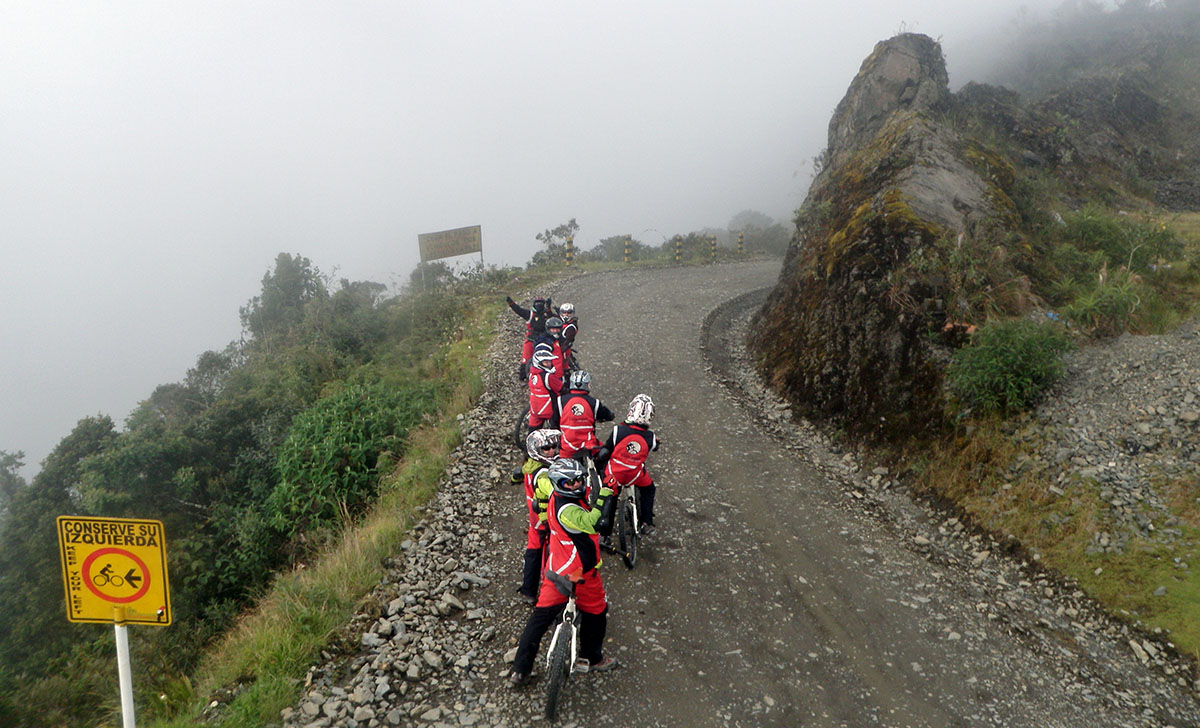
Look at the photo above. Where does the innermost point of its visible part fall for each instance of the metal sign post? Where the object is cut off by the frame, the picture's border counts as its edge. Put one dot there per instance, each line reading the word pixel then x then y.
pixel 124 669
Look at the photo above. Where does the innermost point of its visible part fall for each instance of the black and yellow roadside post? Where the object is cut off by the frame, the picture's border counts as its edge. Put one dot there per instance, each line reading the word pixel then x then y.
pixel 570 250
pixel 741 247
pixel 115 571
pixel 712 241
pixel 678 249
pixel 628 248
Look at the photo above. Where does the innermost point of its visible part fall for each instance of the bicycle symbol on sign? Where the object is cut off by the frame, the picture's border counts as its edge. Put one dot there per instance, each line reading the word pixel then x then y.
pixel 106 577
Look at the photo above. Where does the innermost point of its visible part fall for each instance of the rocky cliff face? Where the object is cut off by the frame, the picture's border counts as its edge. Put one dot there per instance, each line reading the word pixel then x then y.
pixel 846 331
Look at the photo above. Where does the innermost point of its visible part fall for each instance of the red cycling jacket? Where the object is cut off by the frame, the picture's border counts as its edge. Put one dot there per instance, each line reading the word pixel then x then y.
pixel 543 390
pixel 578 413
pixel 630 446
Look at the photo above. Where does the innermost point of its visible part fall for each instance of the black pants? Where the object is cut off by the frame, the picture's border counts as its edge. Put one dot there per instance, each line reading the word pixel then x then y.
pixel 646 503
pixel 531 568
pixel 591 635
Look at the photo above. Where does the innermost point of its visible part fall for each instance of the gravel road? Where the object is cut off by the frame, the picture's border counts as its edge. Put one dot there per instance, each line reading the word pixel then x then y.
pixel 788 584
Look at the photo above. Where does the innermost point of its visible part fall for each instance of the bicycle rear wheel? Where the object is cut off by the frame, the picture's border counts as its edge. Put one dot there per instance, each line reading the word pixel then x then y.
pixel 627 540
pixel 521 430
pixel 559 668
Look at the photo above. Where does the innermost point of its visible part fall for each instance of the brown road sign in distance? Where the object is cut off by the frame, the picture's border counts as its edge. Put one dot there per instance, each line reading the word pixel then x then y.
pixel 449 243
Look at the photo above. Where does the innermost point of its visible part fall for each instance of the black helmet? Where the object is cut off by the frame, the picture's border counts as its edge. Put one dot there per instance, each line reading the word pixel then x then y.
pixel 568 477
pixel 553 322
pixel 539 305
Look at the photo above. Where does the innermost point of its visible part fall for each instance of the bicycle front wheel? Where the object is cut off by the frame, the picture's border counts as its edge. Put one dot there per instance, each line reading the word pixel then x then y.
pixel 628 538
pixel 521 430
pixel 559 669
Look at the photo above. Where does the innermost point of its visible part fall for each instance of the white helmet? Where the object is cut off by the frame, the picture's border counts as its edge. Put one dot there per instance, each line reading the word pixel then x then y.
pixel 566 309
pixel 539 441
pixel 544 359
pixel 580 380
pixel 641 409
pixel 568 478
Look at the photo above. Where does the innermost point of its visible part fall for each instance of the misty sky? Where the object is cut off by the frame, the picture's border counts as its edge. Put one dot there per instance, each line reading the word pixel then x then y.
pixel 155 157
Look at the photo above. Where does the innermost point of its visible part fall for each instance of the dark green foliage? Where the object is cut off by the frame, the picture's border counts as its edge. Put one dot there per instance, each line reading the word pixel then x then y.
pixel 612 249
pixel 11 481
pixel 280 308
pixel 1104 268
pixel 204 456
pixel 1008 365
pixel 35 636
pixel 432 275
pixel 1122 239
pixel 327 465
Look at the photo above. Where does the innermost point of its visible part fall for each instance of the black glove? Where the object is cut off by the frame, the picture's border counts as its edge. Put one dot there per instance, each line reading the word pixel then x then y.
pixel 508 300
pixel 608 509
pixel 517 476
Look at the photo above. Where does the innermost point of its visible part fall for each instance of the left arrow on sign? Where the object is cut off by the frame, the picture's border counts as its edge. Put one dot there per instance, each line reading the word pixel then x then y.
pixel 132 578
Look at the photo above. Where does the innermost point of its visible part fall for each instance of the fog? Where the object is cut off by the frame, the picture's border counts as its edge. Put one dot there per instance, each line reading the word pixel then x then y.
pixel 156 157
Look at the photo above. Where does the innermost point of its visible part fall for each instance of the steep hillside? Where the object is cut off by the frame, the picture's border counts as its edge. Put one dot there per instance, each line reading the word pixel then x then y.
pixel 955 245
pixel 935 212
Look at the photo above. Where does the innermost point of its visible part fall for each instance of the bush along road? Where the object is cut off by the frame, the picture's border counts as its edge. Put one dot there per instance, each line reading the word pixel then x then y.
pixel 787 585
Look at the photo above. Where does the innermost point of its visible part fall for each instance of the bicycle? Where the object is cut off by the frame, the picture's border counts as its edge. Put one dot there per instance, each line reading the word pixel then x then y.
pixel 521 430
pixel 628 520
pixel 627 526
pixel 562 657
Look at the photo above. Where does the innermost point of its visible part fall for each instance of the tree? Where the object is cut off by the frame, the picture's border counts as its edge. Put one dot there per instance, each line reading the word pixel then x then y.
pixel 555 240
pixel 558 235
pixel 33 626
pixel 430 275
pixel 11 481
pixel 747 219
pixel 613 249
pixel 285 293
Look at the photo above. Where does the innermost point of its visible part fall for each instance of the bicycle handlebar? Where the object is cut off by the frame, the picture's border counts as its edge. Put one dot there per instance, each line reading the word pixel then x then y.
pixel 564 583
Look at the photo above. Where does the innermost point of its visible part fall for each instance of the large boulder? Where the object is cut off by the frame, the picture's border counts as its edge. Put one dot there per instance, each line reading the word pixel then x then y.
pixel 846 332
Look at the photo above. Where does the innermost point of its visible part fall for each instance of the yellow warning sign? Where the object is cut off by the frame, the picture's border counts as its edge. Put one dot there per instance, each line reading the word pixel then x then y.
pixel 112 565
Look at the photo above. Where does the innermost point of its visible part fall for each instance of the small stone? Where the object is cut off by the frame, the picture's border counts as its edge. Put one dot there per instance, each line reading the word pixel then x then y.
pixel 431 715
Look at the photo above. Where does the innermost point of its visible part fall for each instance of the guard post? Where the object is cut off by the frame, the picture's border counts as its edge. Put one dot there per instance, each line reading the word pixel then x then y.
pixel 570 250
pixel 741 237
pixel 712 241
pixel 678 249
pixel 628 248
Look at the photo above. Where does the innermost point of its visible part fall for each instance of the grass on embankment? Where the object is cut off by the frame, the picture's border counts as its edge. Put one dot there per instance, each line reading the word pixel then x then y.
pixel 271 648
pixel 1057 528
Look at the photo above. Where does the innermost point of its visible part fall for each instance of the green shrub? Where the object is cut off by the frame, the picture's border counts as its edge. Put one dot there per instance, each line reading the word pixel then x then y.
pixel 1107 308
pixel 1008 365
pixel 328 463
pixel 1124 240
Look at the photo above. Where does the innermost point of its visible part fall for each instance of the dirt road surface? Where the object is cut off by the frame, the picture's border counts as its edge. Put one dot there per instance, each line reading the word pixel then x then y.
pixel 771 596
pixel 789 584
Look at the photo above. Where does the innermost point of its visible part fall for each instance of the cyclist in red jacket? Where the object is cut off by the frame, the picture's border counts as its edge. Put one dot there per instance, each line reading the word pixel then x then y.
pixel 551 340
pixel 573 551
pixel 626 450
pixel 542 448
pixel 578 413
pixel 535 325
pixel 570 329
pixel 545 384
